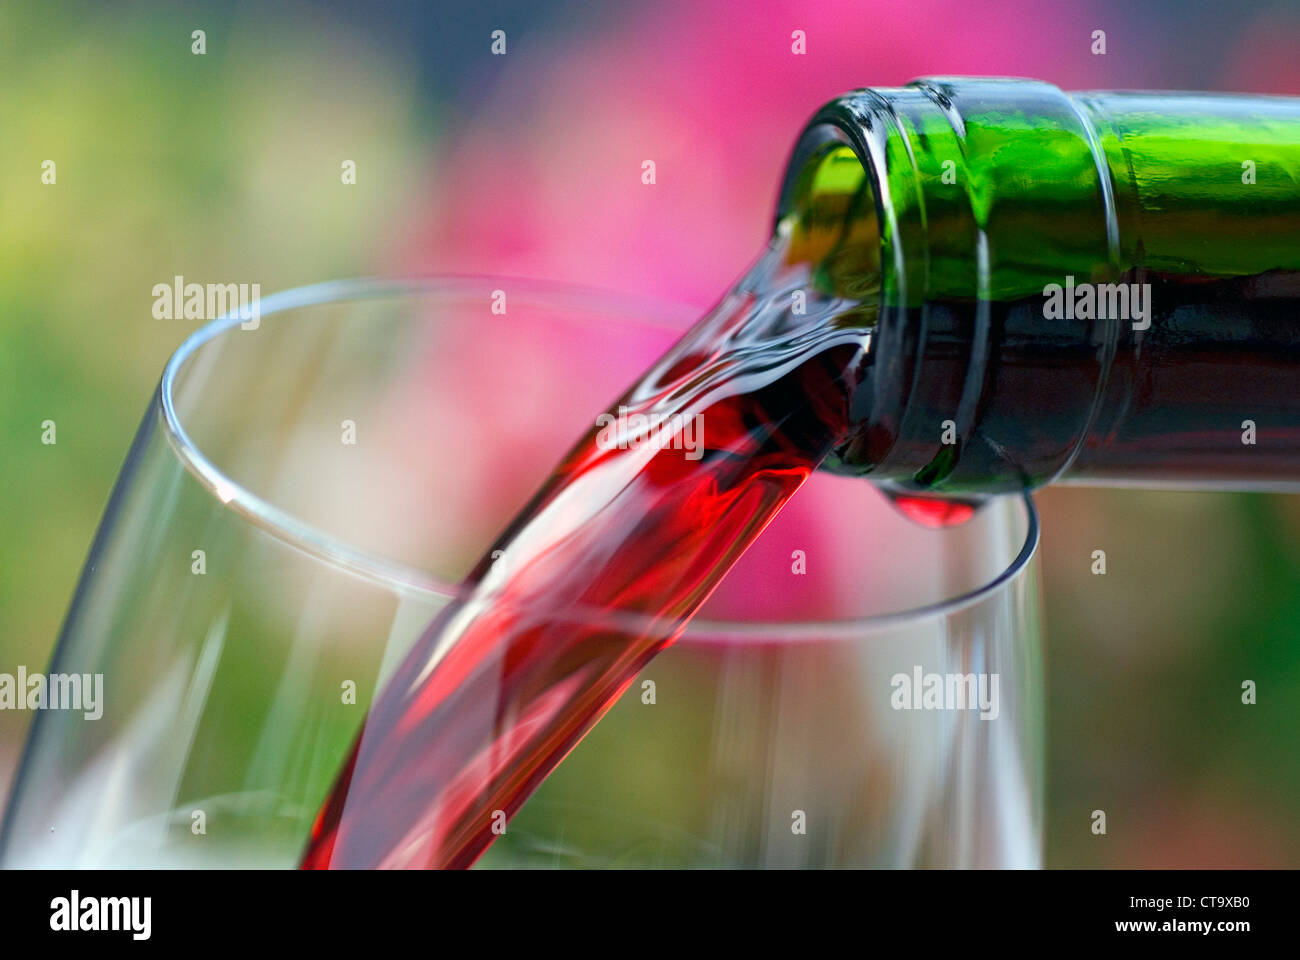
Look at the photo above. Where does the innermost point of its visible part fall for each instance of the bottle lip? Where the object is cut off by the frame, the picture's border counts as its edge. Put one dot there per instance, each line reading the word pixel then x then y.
pixel 864 121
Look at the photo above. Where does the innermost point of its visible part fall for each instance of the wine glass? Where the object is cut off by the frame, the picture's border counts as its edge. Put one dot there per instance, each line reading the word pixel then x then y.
pixel 304 495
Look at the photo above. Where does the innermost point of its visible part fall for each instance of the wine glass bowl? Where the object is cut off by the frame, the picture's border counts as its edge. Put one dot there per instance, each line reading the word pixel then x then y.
pixel 303 498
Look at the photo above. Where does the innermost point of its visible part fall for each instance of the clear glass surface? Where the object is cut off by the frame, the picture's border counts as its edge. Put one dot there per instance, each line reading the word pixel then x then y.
pixel 302 498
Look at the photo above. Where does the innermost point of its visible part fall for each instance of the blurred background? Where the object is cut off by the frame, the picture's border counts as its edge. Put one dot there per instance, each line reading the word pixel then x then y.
pixel 226 166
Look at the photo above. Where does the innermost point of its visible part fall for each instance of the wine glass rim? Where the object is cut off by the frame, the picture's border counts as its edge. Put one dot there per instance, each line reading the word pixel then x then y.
pixel 408 580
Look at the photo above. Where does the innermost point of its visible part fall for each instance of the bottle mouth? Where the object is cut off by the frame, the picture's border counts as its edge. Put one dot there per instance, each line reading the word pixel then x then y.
pixel 829 220
pixel 836 209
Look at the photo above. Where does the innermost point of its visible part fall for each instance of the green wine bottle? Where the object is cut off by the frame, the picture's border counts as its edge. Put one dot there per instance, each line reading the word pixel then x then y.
pixel 1091 287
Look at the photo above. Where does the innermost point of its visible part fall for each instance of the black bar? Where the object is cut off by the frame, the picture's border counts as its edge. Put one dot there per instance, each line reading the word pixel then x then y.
pixel 499 911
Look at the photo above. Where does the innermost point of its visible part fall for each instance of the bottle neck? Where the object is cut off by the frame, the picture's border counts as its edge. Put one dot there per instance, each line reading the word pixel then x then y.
pixel 1080 286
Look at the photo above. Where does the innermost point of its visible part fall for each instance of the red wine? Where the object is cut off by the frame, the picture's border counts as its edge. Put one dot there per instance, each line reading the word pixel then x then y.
pixel 934 511
pixel 596 575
